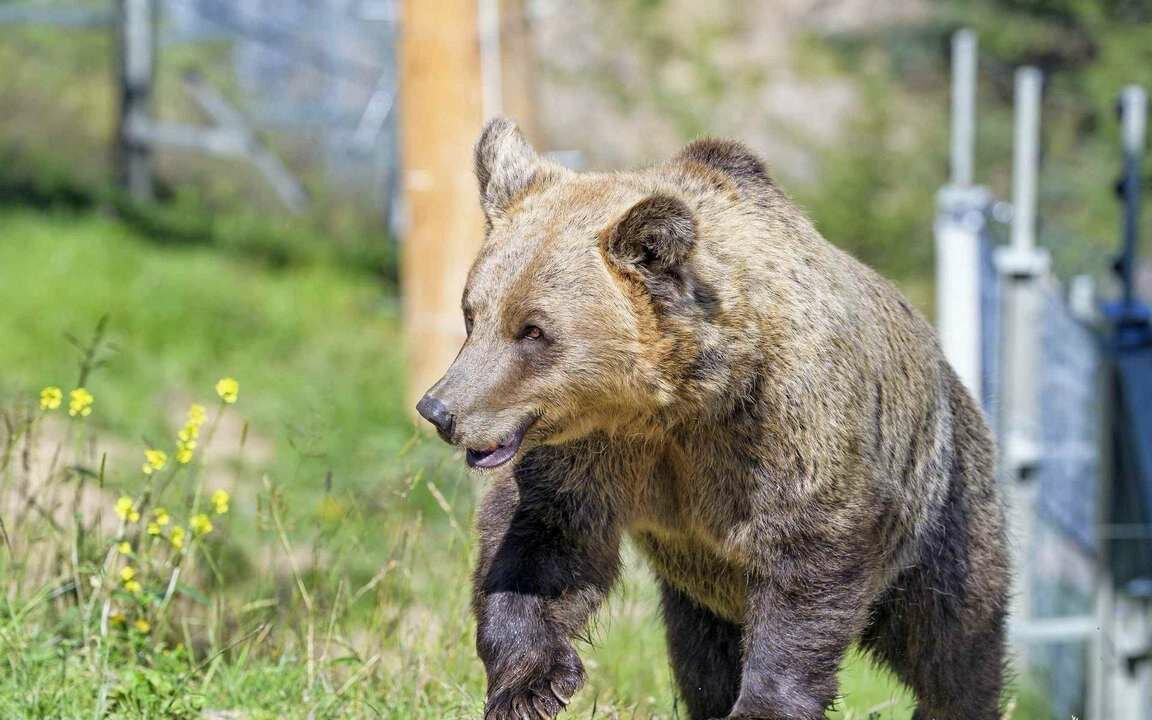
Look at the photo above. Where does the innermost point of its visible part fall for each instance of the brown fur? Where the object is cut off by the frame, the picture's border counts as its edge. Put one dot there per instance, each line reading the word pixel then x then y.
pixel 765 417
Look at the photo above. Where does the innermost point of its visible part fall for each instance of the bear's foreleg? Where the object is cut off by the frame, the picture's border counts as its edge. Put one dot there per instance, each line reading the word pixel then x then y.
pixel 547 560
pixel 799 623
pixel 705 653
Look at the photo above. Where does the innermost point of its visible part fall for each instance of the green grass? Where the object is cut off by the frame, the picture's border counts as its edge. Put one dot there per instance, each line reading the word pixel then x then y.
pixel 338 583
pixel 315 346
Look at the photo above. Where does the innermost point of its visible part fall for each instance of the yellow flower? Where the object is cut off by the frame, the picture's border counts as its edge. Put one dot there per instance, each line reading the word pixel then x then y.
pixel 162 517
pixel 80 402
pixel 125 548
pixel 177 537
pixel 124 507
pixel 196 415
pixel 116 618
pixel 228 389
pixel 220 500
pixel 184 448
pixel 142 625
pixel 154 460
pixel 200 524
pixel 127 573
pixel 186 438
pixel 133 587
pixel 134 516
pixel 153 528
pixel 50 398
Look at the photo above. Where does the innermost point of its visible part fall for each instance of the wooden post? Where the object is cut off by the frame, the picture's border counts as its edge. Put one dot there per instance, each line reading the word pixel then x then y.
pixel 137 41
pixel 441 117
pixel 518 68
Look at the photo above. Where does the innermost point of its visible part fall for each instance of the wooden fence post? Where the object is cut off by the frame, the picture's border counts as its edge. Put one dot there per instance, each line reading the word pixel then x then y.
pixel 441 116
pixel 518 68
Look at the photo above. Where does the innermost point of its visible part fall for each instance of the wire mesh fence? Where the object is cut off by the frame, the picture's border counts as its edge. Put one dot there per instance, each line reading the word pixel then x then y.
pixel 1064 549
pixel 1056 500
pixel 310 83
pixel 322 70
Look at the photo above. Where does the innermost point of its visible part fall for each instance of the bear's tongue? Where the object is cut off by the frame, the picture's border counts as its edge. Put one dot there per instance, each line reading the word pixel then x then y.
pixel 497 456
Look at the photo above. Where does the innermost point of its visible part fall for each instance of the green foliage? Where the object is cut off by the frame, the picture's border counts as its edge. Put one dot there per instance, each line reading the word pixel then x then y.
pixel 333 231
pixel 670 63
pixel 155 692
pixel 875 192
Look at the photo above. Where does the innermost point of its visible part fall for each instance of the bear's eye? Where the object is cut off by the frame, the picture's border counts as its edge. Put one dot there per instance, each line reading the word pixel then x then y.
pixel 531 332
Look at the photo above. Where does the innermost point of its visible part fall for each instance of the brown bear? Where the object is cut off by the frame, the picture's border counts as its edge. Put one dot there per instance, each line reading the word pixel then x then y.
pixel 676 355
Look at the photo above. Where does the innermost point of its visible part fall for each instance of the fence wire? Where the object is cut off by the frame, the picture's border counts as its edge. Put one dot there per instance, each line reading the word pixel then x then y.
pixel 322 70
pixel 1061 557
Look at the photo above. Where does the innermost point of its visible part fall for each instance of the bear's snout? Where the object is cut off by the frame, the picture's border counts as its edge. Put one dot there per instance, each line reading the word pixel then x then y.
pixel 436 412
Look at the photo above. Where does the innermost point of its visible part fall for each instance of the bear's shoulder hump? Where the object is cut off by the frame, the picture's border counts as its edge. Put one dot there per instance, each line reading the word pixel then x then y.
pixel 729 157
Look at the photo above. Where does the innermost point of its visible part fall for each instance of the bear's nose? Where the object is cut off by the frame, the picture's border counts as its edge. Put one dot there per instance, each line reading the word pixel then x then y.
pixel 436 412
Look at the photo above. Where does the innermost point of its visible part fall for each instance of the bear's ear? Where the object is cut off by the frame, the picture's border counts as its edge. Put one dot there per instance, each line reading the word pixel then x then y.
pixel 506 165
pixel 655 236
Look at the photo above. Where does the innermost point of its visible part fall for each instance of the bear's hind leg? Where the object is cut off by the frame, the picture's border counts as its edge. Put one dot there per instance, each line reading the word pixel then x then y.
pixel 951 658
pixel 941 625
pixel 705 654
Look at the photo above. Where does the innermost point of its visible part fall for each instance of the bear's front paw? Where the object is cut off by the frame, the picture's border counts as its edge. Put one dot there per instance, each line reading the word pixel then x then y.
pixel 537 694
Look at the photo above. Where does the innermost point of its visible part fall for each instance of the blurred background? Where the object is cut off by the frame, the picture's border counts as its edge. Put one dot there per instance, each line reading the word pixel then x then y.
pixel 281 193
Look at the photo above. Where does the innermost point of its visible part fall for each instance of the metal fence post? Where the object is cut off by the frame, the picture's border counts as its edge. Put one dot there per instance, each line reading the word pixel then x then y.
pixel 964 62
pixel 136 32
pixel 1128 660
pixel 961 219
pixel 1134 121
pixel 961 212
pixel 1021 265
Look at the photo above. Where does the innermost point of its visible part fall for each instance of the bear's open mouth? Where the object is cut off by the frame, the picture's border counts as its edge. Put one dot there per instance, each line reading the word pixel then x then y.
pixel 498 455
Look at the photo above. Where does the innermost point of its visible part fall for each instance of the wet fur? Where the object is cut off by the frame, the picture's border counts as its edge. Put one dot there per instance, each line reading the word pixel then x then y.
pixel 767 419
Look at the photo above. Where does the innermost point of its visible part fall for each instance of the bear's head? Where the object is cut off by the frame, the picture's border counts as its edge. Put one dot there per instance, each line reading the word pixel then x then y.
pixel 578 307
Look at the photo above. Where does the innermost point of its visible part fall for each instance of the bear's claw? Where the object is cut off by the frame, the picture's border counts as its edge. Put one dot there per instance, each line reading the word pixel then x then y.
pixel 540 699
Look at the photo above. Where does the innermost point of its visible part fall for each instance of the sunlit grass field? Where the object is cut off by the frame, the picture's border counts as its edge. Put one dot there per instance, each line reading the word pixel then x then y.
pixel 335 581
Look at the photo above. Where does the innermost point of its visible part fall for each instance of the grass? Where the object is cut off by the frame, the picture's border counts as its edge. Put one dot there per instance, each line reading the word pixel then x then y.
pixel 335 585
